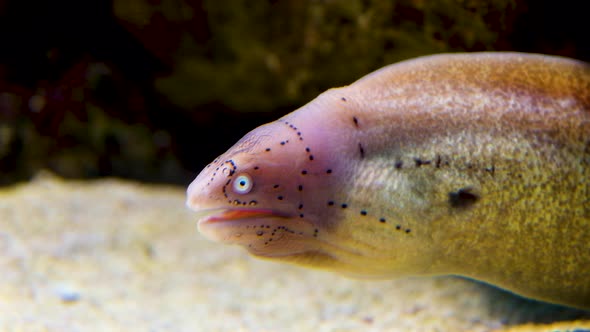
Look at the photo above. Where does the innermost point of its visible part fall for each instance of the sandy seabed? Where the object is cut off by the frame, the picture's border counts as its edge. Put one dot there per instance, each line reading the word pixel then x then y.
pixel 111 255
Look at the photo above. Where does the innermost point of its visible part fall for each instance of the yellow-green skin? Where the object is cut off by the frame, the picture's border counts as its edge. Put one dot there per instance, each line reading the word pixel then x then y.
pixel 468 164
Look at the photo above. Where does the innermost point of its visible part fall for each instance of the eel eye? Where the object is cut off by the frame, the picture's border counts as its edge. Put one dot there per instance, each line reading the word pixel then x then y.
pixel 243 184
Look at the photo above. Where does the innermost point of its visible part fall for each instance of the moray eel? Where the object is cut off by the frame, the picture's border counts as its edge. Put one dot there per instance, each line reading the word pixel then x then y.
pixel 472 164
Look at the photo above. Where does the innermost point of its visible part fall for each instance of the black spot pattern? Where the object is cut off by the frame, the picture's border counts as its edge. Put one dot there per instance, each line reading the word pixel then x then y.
pixel 440 162
pixel 419 162
pixel 365 213
pixel 311 157
pixel 462 198
pixel 437 161
pixel 229 168
pixel 261 230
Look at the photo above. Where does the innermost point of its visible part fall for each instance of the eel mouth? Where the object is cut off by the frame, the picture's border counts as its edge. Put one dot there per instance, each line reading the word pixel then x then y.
pixel 263 232
pixel 272 234
pixel 218 215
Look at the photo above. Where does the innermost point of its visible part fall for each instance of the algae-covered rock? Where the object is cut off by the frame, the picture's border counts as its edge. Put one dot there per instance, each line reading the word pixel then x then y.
pixel 263 55
pixel 153 90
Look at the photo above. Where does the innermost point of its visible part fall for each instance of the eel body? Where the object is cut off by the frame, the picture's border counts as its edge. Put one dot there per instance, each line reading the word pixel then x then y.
pixel 468 164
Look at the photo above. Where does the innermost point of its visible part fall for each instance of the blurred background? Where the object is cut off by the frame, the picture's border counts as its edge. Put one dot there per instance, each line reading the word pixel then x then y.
pixel 154 90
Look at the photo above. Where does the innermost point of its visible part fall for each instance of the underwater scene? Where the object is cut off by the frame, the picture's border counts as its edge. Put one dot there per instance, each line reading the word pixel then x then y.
pixel 287 165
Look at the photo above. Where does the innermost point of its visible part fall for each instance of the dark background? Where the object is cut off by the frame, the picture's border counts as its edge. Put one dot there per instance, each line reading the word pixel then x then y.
pixel 154 90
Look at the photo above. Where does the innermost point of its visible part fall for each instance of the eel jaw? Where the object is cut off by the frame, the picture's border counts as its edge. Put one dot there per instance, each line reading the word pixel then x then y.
pixel 263 232
pixel 270 234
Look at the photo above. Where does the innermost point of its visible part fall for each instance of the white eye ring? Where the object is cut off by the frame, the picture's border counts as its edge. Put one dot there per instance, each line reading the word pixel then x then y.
pixel 243 184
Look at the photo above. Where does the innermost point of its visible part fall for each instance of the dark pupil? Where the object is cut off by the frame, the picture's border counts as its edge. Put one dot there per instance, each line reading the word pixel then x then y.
pixel 242 183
